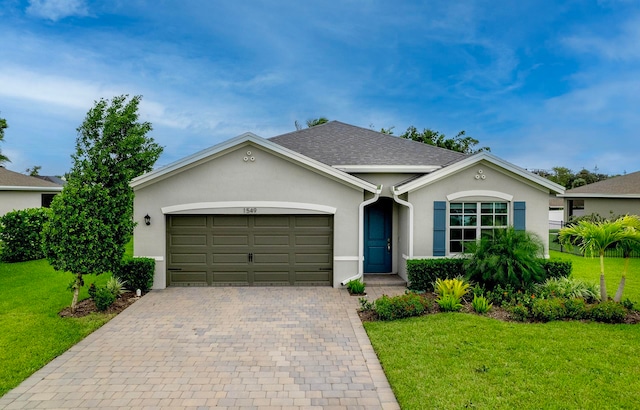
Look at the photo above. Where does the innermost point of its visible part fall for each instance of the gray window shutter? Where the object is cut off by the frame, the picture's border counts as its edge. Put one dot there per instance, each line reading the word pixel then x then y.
pixel 519 216
pixel 439 228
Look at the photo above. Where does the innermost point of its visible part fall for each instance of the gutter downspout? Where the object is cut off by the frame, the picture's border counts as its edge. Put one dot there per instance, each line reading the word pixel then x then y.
pixel 361 235
pixel 410 206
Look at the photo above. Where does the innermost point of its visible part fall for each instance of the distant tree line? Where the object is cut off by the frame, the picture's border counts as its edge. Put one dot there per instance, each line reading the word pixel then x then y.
pixel 568 179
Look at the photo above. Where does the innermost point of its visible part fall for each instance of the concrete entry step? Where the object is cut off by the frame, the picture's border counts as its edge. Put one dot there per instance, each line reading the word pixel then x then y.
pixel 383 279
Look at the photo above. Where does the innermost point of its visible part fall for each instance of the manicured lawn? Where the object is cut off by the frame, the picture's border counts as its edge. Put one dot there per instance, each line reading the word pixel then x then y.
pixel 31 332
pixel 589 269
pixel 457 360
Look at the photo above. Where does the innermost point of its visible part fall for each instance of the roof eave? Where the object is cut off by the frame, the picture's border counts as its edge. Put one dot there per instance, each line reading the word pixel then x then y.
pixel 466 162
pixel 594 195
pixel 152 176
pixel 31 188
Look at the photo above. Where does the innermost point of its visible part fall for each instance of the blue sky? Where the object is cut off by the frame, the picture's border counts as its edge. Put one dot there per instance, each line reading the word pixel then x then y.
pixel 543 83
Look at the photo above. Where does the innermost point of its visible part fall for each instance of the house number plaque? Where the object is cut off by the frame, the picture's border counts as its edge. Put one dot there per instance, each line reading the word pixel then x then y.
pixel 250 210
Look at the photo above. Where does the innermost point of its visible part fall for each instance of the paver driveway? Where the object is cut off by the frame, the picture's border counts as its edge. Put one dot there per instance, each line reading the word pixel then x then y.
pixel 231 347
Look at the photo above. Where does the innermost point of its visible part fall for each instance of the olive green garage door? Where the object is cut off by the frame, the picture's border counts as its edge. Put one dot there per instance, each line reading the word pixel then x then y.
pixel 211 250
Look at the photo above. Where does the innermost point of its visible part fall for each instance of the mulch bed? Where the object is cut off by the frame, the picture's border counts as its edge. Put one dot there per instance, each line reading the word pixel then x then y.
pixel 87 306
pixel 496 312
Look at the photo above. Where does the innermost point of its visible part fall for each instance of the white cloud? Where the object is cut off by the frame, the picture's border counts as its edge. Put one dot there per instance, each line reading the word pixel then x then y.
pixel 55 10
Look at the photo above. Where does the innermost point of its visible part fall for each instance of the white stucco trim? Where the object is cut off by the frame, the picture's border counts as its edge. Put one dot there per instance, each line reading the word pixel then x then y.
pixel 387 168
pixel 469 161
pixel 346 258
pixel 248 208
pixel 361 235
pixel 192 160
pixel 476 193
pixel 618 196
pixel 31 188
pixel 410 206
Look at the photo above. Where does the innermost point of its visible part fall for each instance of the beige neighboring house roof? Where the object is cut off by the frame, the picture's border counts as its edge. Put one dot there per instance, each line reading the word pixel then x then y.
pixel 623 186
pixel 14 181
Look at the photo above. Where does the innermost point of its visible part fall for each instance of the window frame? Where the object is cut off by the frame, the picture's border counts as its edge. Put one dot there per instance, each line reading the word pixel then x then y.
pixel 467 221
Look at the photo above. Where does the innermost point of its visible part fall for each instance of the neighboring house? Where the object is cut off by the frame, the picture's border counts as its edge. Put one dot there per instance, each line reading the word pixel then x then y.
pixel 556 212
pixel 614 196
pixel 19 191
pixel 324 205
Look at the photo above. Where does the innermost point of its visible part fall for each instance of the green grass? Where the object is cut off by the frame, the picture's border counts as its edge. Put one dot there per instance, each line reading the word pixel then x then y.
pixel 454 360
pixel 588 269
pixel 31 332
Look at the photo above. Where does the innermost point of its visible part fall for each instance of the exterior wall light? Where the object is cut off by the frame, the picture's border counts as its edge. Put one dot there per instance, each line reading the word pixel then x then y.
pixel 147 219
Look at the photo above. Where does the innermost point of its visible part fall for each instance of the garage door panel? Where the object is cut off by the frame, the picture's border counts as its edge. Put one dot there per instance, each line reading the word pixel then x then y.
pixel 231 221
pixel 189 221
pixel 188 240
pixel 188 259
pixel 188 277
pixel 238 240
pixel 233 258
pixel 313 240
pixel 251 249
pixel 269 239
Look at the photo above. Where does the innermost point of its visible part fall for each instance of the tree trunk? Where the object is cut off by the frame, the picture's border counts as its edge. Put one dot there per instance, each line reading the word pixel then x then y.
pixel 618 297
pixel 76 291
pixel 603 285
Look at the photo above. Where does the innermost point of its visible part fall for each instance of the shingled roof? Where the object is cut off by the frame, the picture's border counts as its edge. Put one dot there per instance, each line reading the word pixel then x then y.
pixel 624 185
pixel 10 179
pixel 335 143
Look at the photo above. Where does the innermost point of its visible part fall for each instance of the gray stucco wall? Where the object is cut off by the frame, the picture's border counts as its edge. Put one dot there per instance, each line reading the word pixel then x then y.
pixel 227 177
pixel 608 207
pixel 495 180
pixel 16 200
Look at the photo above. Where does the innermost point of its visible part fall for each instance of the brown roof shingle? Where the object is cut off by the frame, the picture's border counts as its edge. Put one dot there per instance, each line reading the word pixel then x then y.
pixel 621 185
pixel 15 179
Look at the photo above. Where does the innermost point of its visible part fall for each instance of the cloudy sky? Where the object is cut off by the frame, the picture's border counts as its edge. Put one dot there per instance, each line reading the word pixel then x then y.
pixel 543 83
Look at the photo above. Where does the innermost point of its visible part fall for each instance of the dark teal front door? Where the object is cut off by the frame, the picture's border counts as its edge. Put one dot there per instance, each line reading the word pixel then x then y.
pixel 377 236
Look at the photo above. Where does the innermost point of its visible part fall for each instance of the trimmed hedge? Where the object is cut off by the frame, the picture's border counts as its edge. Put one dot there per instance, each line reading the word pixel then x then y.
pixel 137 273
pixel 20 233
pixel 422 273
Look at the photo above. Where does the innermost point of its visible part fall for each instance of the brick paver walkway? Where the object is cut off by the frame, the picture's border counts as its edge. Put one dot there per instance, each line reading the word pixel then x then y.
pixel 279 348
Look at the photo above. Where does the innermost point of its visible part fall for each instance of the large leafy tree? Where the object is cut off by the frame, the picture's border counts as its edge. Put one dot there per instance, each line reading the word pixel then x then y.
pixel 593 238
pixel 3 126
pixel 461 142
pixel 92 219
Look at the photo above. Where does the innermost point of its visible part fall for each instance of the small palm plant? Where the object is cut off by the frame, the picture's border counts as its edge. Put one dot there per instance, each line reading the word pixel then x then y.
pixel 593 238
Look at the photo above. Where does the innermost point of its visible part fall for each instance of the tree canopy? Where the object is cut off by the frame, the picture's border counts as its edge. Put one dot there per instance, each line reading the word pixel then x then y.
pixel 568 179
pixel 461 142
pixel 3 126
pixel 92 219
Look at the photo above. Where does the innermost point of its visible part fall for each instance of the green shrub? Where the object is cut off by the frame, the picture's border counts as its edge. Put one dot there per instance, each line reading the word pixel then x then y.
pixel 423 273
pixel 115 286
pixel 356 287
pixel 456 287
pixel 397 307
pixel 507 257
pixel 365 305
pixel 92 290
pixel 20 234
pixel 103 299
pixel 519 312
pixel 137 273
pixel 576 308
pixel 628 304
pixel 449 303
pixel 546 310
pixel 564 287
pixel 507 296
pixel 556 268
pixel 608 312
pixel 481 304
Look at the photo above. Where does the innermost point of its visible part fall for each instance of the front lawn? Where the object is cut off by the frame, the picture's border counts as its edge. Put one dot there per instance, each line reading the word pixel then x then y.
pixel 589 269
pixel 31 332
pixel 458 360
